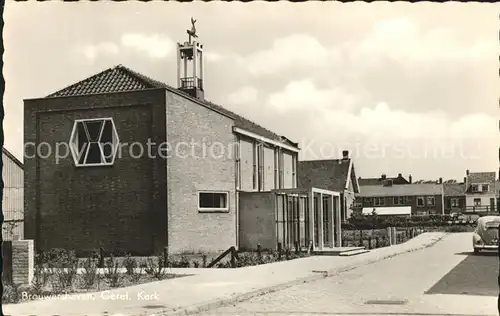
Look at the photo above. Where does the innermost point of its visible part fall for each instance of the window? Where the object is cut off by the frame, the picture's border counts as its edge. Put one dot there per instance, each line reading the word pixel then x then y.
pixel 213 201
pixel 94 142
pixel 431 201
pixel 475 188
pixel 477 202
pixel 399 200
pixel 420 201
pixel 485 188
pixel 378 201
pixel 368 201
pixel 454 202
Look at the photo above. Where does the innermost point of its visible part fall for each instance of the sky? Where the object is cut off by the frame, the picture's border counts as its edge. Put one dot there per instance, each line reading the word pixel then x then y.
pixel 406 88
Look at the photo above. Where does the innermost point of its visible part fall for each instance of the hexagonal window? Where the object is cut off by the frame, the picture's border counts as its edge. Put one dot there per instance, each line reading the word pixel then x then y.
pixel 94 142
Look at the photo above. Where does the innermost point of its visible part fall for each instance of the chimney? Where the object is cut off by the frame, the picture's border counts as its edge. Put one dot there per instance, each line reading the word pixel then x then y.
pixel 383 176
pixel 190 66
pixel 400 175
pixel 410 179
pixel 440 180
pixel 467 172
pixel 465 180
pixel 345 154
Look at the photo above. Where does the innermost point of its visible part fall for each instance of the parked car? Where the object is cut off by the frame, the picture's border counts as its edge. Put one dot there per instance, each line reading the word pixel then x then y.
pixel 486 234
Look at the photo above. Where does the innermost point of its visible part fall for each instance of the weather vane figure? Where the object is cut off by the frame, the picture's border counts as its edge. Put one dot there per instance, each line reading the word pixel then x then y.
pixel 192 31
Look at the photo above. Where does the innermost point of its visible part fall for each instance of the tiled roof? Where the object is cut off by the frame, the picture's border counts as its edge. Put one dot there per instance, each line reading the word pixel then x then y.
pixel 12 157
pixel 123 79
pixel 323 174
pixel 481 177
pixel 402 190
pixel 116 79
pixel 454 189
pixel 379 181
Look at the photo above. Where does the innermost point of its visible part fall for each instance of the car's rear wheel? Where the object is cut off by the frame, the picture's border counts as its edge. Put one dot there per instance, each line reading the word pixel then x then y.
pixel 476 251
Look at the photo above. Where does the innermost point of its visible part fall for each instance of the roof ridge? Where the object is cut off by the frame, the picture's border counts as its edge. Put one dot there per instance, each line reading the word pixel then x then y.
pixel 142 78
pixel 82 81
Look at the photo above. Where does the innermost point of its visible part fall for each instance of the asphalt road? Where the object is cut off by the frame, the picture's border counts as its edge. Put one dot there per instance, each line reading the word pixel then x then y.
pixel 441 280
pixel 475 275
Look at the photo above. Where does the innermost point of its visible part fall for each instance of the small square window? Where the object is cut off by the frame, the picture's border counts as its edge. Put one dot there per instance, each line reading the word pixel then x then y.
pixel 477 202
pixel 420 201
pixel 213 201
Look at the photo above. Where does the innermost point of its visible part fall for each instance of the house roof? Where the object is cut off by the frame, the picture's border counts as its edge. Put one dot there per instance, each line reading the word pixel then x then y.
pixel 379 181
pixel 481 177
pixel 330 174
pixel 13 158
pixel 122 79
pixel 454 189
pixel 402 190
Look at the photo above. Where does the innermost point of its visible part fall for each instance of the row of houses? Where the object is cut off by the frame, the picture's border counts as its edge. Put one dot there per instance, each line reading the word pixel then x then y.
pixel 153 166
pixel 478 193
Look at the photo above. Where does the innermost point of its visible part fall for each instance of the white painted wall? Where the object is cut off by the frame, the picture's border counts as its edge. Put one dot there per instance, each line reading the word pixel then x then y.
pixel 485 199
pixel 13 198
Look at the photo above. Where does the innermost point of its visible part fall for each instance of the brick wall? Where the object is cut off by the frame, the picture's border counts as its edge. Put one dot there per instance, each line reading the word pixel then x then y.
pixel 190 230
pixel 22 261
pixel 120 207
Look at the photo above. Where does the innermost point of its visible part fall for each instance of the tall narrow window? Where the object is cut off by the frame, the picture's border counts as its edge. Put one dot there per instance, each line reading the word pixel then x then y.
pixel 255 171
pixel 238 164
pixel 276 166
pixel 260 164
pixel 280 168
pixel 94 142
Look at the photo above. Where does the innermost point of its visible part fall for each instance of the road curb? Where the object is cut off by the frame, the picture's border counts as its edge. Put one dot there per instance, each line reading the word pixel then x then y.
pixel 203 307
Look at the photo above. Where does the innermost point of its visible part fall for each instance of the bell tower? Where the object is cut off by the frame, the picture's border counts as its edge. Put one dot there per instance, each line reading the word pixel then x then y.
pixel 190 64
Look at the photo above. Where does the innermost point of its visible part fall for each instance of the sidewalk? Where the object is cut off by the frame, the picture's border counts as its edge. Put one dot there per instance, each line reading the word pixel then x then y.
pixel 210 288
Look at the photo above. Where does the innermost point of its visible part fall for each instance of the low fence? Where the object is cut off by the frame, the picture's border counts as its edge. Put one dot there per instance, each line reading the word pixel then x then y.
pixel 377 238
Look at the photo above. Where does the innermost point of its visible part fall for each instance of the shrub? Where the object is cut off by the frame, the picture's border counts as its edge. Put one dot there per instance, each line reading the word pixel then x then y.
pixel 156 268
pixel 64 268
pixel 135 276
pixel 89 273
pixel 12 293
pixel 40 278
pixel 129 264
pixel 112 273
pixel 456 229
pixel 183 262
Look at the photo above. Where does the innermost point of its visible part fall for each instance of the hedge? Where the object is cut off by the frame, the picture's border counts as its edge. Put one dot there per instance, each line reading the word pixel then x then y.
pixel 380 222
